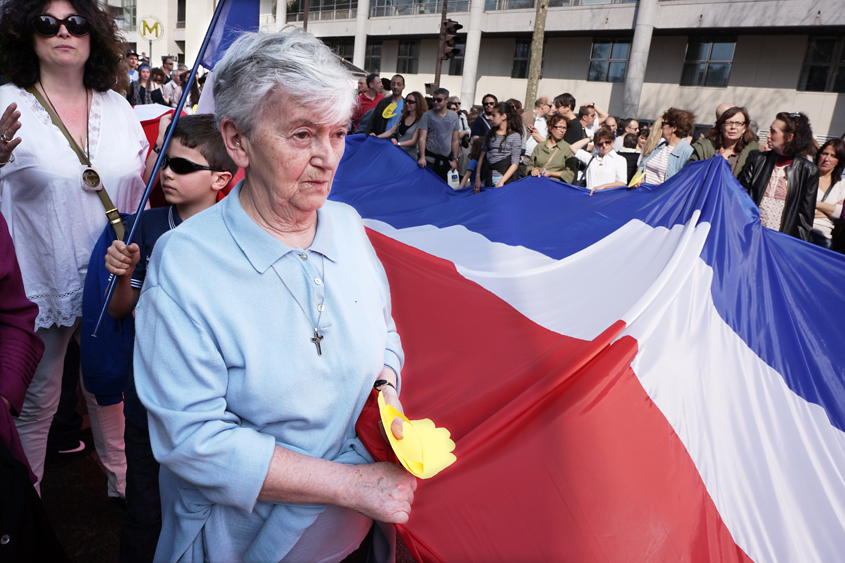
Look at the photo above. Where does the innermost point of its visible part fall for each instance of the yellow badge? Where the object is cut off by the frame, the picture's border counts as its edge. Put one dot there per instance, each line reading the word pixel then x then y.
pixel 389 111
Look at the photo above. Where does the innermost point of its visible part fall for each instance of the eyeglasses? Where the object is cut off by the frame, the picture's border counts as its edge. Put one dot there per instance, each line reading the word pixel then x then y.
pixel 457 103
pixel 736 124
pixel 438 100
pixel 560 127
pixel 409 102
pixel 48 26
pixel 489 103
pixel 603 144
pixel 183 165
pixel 452 107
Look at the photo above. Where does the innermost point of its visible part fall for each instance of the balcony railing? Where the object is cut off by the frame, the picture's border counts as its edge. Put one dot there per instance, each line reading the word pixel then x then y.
pixel 342 12
pixel 412 8
pixel 492 5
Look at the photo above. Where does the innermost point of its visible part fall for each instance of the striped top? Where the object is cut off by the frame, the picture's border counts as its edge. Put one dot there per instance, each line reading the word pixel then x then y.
pixel 497 150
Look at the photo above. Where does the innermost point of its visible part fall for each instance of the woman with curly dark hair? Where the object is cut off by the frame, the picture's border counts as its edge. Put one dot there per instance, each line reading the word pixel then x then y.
pixel 782 183
pixel 501 153
pixel 76 136
pixel 673 150
pixel 731 138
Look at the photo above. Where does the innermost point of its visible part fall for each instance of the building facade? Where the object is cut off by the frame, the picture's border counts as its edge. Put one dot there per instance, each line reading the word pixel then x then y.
pixel 634 58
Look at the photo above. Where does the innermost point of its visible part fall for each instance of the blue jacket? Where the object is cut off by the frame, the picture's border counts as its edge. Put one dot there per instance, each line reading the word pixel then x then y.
pixel 677 158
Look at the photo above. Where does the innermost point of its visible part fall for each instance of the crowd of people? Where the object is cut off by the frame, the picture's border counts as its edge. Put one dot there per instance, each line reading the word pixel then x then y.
pixel 796 183
pixel 197 438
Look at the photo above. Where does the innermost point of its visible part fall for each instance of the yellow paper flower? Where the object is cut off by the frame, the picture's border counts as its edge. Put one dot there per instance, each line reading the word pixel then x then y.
pixel 425 450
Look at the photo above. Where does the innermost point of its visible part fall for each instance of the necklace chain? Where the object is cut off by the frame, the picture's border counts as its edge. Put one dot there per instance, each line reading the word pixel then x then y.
pixel 317 338
pixel 87 117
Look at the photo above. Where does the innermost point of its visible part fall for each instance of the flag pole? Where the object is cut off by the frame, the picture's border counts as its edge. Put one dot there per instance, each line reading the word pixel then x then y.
pixel 186 89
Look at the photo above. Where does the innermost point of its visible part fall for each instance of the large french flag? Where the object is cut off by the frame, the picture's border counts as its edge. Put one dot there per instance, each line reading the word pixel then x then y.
pixel 638 375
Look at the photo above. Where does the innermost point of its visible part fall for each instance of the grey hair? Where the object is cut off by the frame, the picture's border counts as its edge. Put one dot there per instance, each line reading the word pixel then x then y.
pixel 257 66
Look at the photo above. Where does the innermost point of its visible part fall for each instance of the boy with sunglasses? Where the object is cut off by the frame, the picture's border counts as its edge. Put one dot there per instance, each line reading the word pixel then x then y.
pixel 194 170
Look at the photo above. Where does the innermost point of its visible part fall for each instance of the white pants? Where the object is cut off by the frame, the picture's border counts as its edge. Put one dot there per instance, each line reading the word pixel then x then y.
pixel 42 402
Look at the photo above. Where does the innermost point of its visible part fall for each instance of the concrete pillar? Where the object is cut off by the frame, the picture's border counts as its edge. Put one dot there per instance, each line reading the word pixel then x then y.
pixel 360 49
pixel 471 54
pixel 281 14
pixel 198 14
pixel 646 19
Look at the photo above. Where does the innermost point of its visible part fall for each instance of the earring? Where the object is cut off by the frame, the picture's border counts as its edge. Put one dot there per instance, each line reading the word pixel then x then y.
pixel 237 143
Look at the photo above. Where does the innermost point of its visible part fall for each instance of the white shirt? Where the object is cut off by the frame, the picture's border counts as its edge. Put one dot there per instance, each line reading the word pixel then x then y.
pixel 542 128
pixel 835 194
pixel 53 221
pixel 604 170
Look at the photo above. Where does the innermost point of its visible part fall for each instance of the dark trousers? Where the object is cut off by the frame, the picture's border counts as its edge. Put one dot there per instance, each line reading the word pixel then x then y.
pixel 440 166
pixel 142 521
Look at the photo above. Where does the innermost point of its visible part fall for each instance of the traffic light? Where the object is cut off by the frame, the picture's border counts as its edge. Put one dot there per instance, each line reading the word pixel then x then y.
pixel 449 32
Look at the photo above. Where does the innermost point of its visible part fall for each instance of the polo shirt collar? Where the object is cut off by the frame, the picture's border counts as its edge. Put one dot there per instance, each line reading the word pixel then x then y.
pixel 260 247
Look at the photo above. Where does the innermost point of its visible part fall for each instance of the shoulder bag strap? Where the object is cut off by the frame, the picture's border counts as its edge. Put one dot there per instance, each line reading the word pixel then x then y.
pixel 111 211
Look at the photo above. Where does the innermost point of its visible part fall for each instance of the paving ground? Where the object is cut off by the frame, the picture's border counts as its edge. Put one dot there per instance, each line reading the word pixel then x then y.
pixel 85 520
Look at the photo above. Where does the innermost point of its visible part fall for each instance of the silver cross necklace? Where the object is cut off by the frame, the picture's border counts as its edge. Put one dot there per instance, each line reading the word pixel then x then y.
pixel 317 338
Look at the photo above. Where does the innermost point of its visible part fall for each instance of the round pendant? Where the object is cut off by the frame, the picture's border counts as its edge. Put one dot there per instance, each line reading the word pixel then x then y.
pixel 91 178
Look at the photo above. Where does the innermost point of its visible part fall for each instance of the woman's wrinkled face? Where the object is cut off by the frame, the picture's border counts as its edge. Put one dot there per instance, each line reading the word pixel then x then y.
pixel 776 138
pixel 827 160
pixel 558 131
pixel 293 155
pixel 734 127
pixel 63 49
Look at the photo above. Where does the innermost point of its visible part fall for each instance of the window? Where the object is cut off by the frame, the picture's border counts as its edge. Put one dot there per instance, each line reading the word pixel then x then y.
pixel 409 57
pixel 180 14
pixel 522 59
pixel 609 60
pixel 341 46
pixel 824 65
pixel 372 57
pixel 708 62
pixel 456 63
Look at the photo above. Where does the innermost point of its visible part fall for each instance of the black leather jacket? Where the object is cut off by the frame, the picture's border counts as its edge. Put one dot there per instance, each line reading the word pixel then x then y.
pixel 802 180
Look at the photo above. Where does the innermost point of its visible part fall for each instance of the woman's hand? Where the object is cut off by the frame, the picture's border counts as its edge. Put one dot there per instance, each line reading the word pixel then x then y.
pixel 9 126
pixel 395 142
pixel 476 187
pixel 421 162
pixel 500 183
pixel 535 172
pixel 383 491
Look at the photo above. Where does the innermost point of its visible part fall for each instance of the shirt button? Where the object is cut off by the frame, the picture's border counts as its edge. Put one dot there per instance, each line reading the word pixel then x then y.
pixel 318 281
pixel 303 256
pixel 321 307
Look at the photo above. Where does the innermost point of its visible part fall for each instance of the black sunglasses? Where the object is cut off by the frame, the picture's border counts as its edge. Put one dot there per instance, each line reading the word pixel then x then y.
pixel 48 26
pixel 438 100
pixel 184 166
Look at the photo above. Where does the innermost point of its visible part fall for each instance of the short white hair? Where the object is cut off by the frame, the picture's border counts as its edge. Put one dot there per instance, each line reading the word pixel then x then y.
pixel 259 66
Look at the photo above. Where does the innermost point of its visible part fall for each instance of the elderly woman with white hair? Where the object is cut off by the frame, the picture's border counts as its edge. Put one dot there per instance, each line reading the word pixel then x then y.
pixel 263 325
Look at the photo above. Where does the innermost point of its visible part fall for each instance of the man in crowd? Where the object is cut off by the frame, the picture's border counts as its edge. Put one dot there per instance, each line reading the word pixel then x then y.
pixel 172 90
pixel 536 130
pixel 612 124
pixel 388 110
pixel 438 144
pixel 630 126
pixel 368 98
pixel 132 65
pixel 167 67
pixel 565 106
pixel 722 108
pixel 362 85
pixel 482 123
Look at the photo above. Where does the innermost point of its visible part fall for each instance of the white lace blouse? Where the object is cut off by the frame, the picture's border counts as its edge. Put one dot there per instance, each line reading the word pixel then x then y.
pixel 53 221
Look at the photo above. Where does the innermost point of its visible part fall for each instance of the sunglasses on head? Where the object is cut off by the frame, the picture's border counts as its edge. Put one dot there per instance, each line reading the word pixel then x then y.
pixel 48 26
pixel 184 166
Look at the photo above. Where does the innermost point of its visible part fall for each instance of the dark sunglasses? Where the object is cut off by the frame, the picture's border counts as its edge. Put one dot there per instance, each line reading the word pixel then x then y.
pixel 438 100
pixel 48 26
pixel 410 101
pixel 489 103
pixel 603 144
pixel 184 166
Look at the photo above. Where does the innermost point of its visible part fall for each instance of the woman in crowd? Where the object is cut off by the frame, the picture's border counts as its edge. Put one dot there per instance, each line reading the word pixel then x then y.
pixel 605 168
pixel 642 138
pixel 672 151
pixel 831 161
pixel 62 59
pixel 730 138
pixel 157 77
pixel 782 183
pixel 502 149
pixel 404 133
pixel 553 158
pixel 141 91
pixel 260 457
